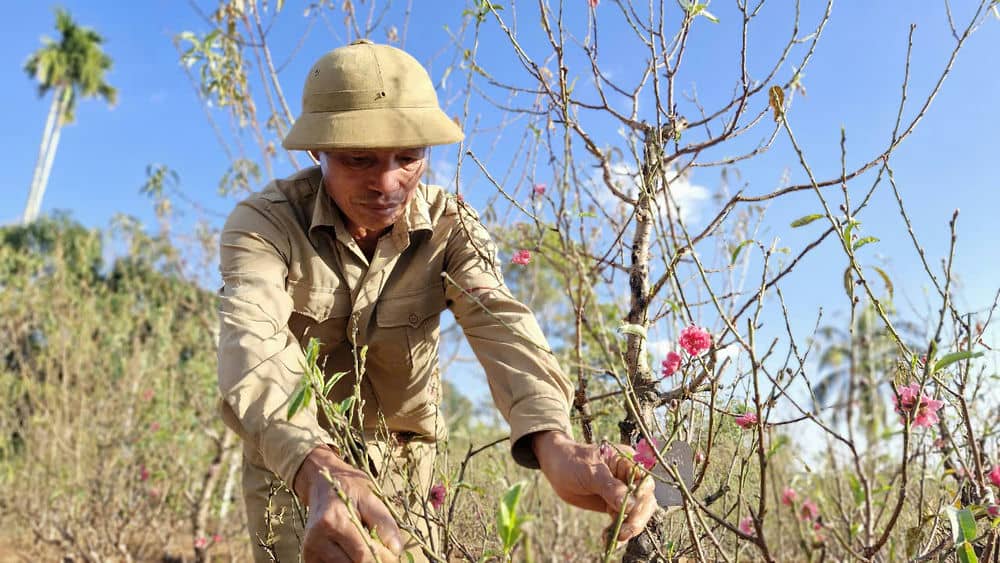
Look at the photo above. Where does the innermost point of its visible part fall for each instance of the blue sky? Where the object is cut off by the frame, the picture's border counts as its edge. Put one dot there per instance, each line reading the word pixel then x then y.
pixel 853 81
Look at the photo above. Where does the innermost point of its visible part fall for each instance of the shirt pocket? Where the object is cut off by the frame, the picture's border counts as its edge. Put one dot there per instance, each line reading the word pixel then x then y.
pixel 319 312
pixel 405 352
pixel 408 327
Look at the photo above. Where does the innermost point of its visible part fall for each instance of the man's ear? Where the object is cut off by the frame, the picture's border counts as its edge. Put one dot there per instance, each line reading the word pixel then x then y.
pixel 318 159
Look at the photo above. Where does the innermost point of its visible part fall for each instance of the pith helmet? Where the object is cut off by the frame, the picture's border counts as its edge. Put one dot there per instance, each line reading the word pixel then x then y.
pixel 372 96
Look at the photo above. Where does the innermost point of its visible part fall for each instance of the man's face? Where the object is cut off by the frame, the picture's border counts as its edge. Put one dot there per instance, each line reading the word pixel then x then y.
pixel 372 187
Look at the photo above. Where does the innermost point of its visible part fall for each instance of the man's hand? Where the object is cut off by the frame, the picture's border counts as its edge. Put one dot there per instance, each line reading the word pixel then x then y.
pixel 331 534
pixel 581 476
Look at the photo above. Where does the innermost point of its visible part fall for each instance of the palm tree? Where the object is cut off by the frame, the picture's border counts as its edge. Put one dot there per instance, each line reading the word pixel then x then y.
pixel 72 67
pixel 858 365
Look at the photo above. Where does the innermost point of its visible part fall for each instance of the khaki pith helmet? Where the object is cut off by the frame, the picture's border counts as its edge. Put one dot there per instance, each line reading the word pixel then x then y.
pixel 369 96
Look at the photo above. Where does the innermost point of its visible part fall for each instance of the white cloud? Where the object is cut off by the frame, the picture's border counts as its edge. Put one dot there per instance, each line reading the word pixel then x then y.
pixel 686 197
pixel 441 171
pixel 659 349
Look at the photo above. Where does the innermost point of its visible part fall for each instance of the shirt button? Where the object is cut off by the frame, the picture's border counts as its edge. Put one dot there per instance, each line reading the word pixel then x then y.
pixel 414 319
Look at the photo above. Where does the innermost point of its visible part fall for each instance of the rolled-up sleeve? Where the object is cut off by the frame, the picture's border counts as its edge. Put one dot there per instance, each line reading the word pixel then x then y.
pixel 260 361
pixel 528 386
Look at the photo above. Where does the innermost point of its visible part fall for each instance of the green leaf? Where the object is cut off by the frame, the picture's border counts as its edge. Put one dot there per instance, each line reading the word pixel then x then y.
pixel 778 444
pixel 332 380
pixel 709 16
pixel 343 406
pixel 849 282
pixel 863 241
pixel 848 230
pixel 859 492
pixel 298 398
pixel 966 554
pixel 278 5
pixel 953 357
pixel 802 221
pixel 963 530
pixel 967 522
pixel 736 251
pixel 508 523
pixel 885 280
pixel 312 352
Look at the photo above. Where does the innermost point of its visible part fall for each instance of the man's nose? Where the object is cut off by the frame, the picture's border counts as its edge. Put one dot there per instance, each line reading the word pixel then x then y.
pixel 385 180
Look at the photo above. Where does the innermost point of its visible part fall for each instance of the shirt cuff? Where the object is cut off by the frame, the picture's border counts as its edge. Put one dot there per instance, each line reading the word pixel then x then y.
pixel 284 446
pixel 529 417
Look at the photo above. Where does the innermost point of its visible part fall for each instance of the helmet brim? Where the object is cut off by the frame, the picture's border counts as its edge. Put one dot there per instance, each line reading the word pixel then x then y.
pixel 377 128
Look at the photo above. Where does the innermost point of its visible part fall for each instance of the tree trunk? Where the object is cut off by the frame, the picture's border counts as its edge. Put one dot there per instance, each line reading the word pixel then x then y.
pixel 643 547
pixel 50 155
pixel 33 190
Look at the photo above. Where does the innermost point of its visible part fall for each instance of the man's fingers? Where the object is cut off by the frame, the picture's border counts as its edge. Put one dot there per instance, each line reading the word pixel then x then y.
pixel 622 467
pixel 337 531
pixel 355 539
pixel 645 505
pixel 324 550
pixel 642 499
pixel 608 486
pixel 376 517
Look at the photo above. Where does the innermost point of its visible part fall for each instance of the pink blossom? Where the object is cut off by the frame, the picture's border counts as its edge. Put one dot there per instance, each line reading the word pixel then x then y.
pixel 789 496
pixel 521 257
pixel 911 399
pixel 809 510
pixel 994 475
pixel 993 511
pixel 746 526
pixel 539 189
pixel 438 492
pixel 153 427
pixel 671 364
pixel 143 473
pixel 699 457
pixel 644 454
pixel 695 340
pixel 818 531
pixel 747 420
pixel 154 492
pixel 147 395
pixel 216 538
pixel 200 543
pixel 593 3
pixel 606 452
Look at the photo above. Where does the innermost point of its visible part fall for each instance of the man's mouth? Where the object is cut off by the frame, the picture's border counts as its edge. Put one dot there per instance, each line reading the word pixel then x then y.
pixel 381 208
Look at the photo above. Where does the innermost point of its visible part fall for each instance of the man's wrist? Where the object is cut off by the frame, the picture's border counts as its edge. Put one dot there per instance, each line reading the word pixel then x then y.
pixel 320 457
pixel 548 442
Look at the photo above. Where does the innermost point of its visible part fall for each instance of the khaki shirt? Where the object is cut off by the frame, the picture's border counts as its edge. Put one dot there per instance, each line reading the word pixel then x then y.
pixel 291 271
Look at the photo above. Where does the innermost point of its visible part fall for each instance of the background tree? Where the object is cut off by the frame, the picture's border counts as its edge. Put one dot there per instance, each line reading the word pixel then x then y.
pixel 71 68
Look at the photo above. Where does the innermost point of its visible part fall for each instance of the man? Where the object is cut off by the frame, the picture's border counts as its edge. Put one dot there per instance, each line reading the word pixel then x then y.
pixel 358 252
